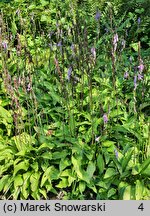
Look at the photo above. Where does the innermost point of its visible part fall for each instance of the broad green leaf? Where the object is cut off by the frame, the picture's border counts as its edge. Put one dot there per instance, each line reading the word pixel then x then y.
pixel 139 188
pixel 126 159
pixel 24 142
pixel 5 114
pixel 109 173
pixel 144 165
pixel 13 27
pixel 82 186
pixel 134 46
pixel 90 169
pixel 3 181
pixel 24 165
pixel 64 163
pixel 35 166
pixel 111 192
pixel 129 193
pixel 34 180
pixel 43 192
pixel 51 173
pixel 146 172
pixel 100 163
pixel 26 184
pixel 46 145
pixel 18 181
pixel 108 143
pixel 58 155
pixel 46 155
pixel 92 187
pixel 63 183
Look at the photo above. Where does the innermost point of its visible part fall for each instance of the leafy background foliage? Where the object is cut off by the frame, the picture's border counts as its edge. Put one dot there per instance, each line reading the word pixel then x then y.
pixel 74 100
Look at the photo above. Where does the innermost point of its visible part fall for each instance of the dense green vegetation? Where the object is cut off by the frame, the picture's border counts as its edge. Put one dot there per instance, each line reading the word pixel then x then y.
pixel 74 99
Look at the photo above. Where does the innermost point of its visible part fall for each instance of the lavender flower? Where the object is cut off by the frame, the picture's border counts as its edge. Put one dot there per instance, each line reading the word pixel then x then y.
pixel 59 44
pixel 97 16
pixel 5 45
pixel 135 82
pixel 29 87
pixel 141 67
pixel 69 73
pixel 123 43
pixel 105 118
pixel 93 51
pixel 126 75
pixel 115 39
pixel 140 76
pixel 139 21
pixel 116 153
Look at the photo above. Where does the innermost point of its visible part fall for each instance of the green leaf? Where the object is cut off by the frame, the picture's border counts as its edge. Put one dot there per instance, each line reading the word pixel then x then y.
pixel 51 173
pixel 144 165
pixel 134 46
pixel 6 115
pixel 126 159
pixel 34 180
pixel 46 155
pixel 58 155
pixel 82 186
pixel 3 181
pixel 26 184
pixel 100 163
pixel 64 163
pixel 46 145
pixel 109 173
pixel 43 192
pixel 24 165
pixel 91 169
pixel 108 143
pixel 13 28
pixel 139 190
pixel 92 187
pixel 111 192
pixel 18 181
pixel 63 183
pixel 129 193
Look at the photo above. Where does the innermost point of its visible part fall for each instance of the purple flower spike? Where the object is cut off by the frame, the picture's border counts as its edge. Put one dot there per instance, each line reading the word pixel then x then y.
pixel 135 83
pixel 116 153
pixel 126 75
pixel 141 67
pixel 105 118
pixel 4 45
pixel 139 21
pixel 115 39
pixel 97 16
pixel 69 73
pixel 29 87
pixel 93 51
pixel 59 44
pixel 140 77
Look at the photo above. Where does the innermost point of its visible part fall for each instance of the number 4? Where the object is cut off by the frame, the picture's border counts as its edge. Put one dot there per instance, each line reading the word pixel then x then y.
pixel 141 207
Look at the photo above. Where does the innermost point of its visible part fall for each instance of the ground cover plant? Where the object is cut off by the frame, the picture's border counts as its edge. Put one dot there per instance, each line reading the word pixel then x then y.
pixel 74 100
